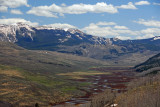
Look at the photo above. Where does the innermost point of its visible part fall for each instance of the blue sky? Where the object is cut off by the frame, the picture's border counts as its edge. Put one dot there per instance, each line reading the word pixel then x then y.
pixel 124 19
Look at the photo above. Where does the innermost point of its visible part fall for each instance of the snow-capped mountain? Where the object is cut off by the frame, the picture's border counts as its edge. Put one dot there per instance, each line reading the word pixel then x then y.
pixel 12 33
pixel 74 41
pixel 9 32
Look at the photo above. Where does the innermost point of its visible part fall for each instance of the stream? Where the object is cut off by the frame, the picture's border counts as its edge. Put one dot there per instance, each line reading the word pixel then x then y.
pixel 115 81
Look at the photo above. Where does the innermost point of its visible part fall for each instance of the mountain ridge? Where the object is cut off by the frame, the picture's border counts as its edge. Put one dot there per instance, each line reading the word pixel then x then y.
pixel 74 41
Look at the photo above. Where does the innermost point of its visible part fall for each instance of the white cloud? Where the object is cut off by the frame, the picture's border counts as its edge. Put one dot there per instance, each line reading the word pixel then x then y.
pixel 10 21
pixel 148 33
pixel 5 4
pixel 105 23
pixel 61 25
pixel 15 11
pixel 121 32
pixel 152 23
pixel 156 3
pixel 142 3
pixel 151 31
pixel 145 36
pixel 13 3
pixel 123 37
pixel 42 11
pixel 126 32
pixel 95 30
pixel 3 9
pixel 53 9
pixel 107 30
pixel 120 27
pixel 130 5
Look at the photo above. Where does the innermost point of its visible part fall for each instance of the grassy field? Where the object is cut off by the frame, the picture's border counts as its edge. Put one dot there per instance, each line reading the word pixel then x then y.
pixel 81 75
pixel 22 88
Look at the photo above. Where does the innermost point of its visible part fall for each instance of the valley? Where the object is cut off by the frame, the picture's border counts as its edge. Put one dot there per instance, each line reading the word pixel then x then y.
pixel 54 77
pixel 79 53
pixel 75 89
pixel 116 80
pixel 65 68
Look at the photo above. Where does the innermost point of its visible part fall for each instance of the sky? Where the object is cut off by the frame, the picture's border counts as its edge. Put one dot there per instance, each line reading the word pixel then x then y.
pixel 123 19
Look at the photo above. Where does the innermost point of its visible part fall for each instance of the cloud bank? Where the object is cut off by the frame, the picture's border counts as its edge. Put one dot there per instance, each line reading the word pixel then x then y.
pixel 10 21
pixel 5 4
pixel 61 25
pixel 53 10
pixel 15 11
pixel 152 23
pixel 142 3
pixel 130 5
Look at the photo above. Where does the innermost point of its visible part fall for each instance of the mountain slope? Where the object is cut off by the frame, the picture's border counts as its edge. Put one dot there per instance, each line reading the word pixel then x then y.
pixel 151 65
pixel 74 41
pixel 46 61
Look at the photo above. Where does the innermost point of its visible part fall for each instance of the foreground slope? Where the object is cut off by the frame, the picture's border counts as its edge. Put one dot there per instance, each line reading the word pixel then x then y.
pixel 142 91
pixel 145 90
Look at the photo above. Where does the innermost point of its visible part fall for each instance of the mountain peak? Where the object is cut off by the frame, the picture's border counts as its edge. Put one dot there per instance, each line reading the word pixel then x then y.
pixel 9 32
pixel 45 27
pixel 73 31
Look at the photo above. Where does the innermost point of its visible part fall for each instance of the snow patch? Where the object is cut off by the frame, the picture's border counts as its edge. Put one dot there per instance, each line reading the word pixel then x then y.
pixel 156 38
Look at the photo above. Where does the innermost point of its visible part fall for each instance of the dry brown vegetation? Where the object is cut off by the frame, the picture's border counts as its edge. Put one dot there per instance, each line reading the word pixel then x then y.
pixel 81 75
pixel 105 98
pixel 21 88
pixel 142 92
pixel 11 73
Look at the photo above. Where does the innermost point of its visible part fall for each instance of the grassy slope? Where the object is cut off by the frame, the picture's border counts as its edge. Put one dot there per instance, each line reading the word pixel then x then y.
pixel 43 61
pixel 28 76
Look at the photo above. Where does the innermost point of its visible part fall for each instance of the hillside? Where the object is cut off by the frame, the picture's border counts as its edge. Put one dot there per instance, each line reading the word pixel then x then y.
pixel 27 75
pixel 142 92
pixel 152 65
pixel 45 61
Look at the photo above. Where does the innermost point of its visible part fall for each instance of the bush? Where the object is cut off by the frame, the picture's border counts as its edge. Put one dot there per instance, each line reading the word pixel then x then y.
pixel 105 98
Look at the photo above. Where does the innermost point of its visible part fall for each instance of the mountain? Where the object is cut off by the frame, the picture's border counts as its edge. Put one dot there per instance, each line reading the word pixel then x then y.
pixel 9 33
pixel 19 33
pixel 74 41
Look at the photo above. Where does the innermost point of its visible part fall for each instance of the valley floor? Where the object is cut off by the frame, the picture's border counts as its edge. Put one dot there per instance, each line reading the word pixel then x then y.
pixel 20 88
pixel 108 79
